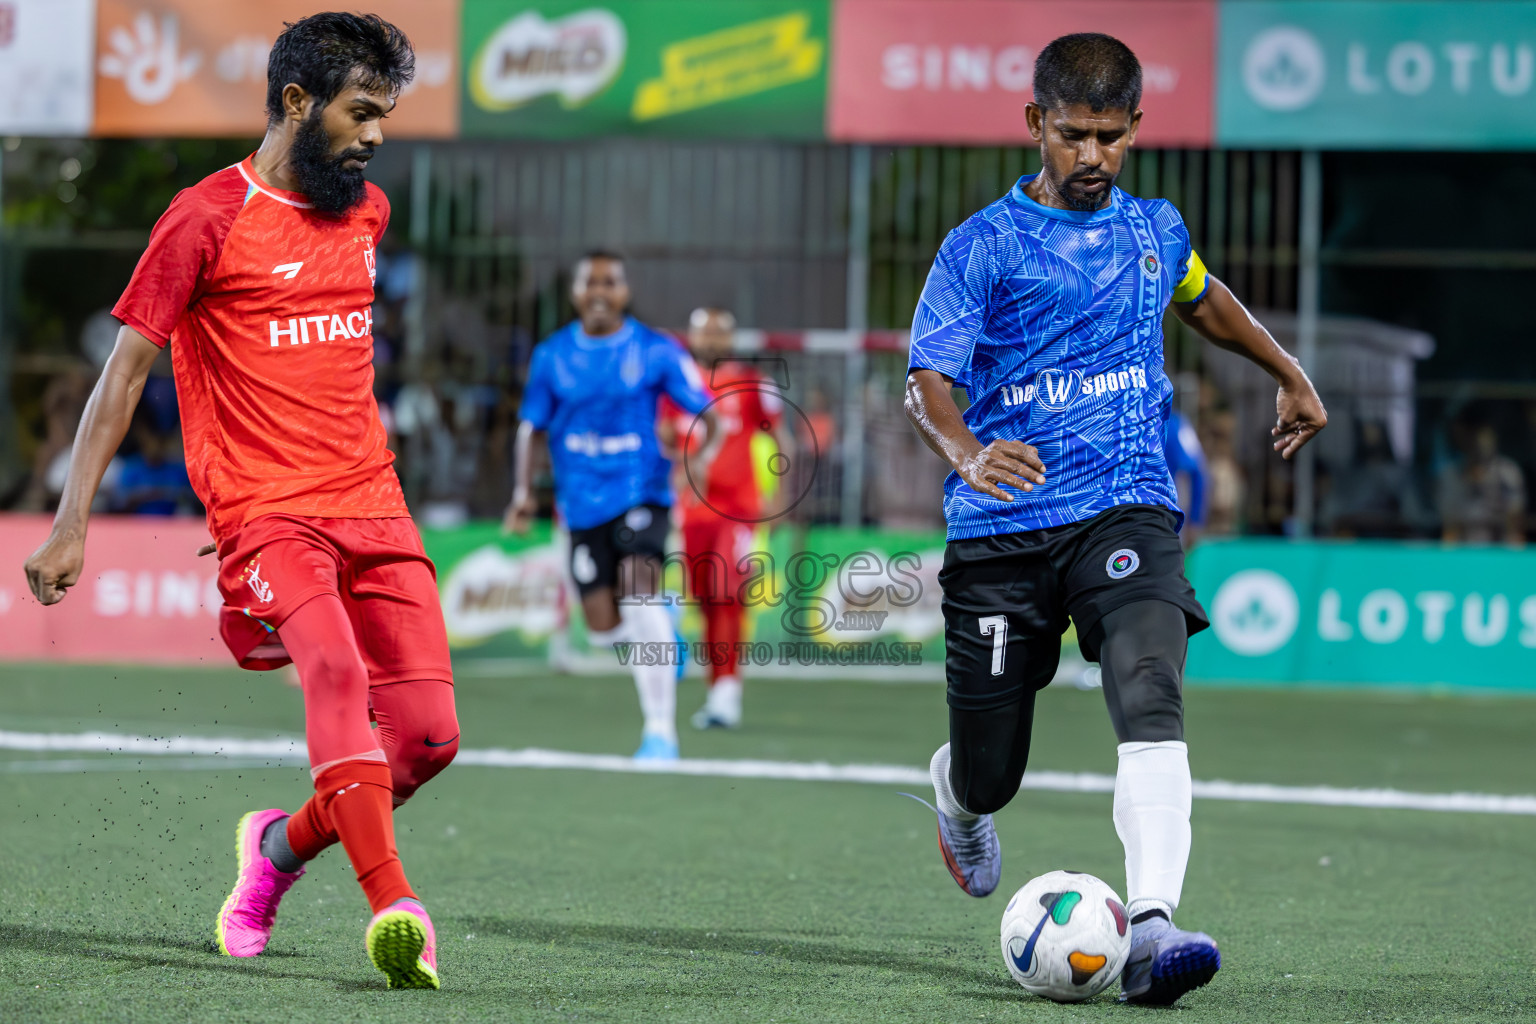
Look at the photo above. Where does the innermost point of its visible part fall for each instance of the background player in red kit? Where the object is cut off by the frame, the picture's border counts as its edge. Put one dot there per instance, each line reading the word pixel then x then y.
pixel 720 512
pixel 260 278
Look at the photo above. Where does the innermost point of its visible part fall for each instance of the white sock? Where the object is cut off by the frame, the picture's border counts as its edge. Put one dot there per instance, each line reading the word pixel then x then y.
pixel 604 639
pixel 656 684
pixel 725 695
pixel 944 790
pixel 1152 804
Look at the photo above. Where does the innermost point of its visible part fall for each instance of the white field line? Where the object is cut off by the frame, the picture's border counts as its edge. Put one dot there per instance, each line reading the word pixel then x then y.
pixel 232 752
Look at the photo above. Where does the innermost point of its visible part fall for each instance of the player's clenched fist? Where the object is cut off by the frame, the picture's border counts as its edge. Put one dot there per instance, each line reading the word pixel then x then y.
pixel 519 515
pixel 54 568
pixel 1003 462
pixel 1299 415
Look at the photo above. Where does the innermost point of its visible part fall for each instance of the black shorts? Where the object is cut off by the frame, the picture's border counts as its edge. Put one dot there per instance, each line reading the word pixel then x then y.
pixel 1007 597
pixel 597 550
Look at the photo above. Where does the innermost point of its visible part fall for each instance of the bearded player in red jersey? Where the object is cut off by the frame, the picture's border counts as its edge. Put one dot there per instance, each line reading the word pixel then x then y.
pixel 260 278
pixel 721 511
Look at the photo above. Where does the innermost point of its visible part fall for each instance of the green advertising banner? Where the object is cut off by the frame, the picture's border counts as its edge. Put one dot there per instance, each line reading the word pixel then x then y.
pixel 824 599
pixel 567 68
pixel 1363 74
pixel 1365 613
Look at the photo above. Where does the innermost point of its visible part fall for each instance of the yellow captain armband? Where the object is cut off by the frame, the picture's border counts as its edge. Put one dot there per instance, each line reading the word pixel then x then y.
pixel 1192 288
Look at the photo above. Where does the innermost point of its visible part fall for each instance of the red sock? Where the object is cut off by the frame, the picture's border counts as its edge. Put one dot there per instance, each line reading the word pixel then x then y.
pixel 310 831
pixel 355 797
pixel 722 628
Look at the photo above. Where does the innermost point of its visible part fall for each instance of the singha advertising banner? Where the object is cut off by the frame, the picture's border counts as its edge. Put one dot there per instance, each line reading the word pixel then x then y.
pixel 961 71
pixel 570 68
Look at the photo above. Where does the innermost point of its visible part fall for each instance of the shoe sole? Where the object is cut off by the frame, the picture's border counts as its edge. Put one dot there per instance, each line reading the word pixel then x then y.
pixel 395 944
pixel 1179 971
pixel 240 832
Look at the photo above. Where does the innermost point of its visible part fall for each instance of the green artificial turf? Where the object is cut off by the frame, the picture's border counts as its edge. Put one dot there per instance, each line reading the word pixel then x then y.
pixel 576 895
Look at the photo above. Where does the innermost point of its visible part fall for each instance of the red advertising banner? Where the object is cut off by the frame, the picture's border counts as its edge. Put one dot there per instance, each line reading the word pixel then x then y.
pixel 145 596
pixel 960 71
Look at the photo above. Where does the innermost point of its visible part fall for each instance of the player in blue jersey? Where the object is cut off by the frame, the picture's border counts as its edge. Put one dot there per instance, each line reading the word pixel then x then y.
pixel 1047 307
pixel 592 387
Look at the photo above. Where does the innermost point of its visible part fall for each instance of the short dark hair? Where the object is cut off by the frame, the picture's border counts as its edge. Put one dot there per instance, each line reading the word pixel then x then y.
pixel 610 255
pixel 1088 68
pixel 324 51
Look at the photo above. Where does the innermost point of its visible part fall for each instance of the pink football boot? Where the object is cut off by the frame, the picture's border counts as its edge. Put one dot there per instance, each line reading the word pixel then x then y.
pixel 245 920
pixel 402 943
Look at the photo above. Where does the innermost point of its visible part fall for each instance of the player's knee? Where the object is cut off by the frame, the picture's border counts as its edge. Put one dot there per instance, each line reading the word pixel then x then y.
pixel 424 758
pixel 1151 701
pixel 985 794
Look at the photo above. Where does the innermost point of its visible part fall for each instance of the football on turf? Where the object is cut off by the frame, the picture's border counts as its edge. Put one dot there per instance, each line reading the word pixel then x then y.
pixel 1066 936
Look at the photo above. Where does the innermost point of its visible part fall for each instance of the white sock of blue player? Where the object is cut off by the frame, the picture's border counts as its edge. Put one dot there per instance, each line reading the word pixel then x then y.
pixel 603 639
pixel 1152 804
pixel 650 624
pixel 944 789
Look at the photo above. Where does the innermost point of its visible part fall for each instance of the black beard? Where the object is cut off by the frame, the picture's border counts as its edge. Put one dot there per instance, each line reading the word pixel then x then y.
pixel 1085 204
pixel 330 188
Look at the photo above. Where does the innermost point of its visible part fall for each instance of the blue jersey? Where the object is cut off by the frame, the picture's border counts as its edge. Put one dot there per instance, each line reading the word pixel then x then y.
pixel 1052 321
pixel 597 398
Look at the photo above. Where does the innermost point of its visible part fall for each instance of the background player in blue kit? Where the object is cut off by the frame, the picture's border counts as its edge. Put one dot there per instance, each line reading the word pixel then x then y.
pixel 1047 307
pixel 593 386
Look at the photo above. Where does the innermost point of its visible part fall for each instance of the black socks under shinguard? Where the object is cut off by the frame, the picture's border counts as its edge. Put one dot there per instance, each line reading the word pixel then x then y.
pixel 274 847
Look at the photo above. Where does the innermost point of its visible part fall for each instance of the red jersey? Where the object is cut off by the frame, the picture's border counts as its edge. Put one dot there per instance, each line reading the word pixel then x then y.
pixel 746 404
pixel 268 311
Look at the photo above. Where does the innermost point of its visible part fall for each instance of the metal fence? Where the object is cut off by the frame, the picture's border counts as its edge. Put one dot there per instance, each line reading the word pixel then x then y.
pixel 476 269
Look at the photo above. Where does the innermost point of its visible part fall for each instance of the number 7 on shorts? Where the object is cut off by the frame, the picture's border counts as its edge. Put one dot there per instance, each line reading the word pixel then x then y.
pixel 995 626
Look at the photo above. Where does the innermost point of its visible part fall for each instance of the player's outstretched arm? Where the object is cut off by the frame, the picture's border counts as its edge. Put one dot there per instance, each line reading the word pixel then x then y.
pixel 933 411
pixel 520 513
pixel 54 567
pixel 1222 320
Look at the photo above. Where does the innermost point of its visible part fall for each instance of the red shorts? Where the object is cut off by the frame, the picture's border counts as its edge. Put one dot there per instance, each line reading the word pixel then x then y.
pixel 378 569
pixel 724 543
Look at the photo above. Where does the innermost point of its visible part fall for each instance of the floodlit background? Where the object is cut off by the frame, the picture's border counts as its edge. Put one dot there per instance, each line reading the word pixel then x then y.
pixel 1359 173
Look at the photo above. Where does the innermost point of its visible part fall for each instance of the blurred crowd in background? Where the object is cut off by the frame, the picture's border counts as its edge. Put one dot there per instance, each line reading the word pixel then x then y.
pixel 470 278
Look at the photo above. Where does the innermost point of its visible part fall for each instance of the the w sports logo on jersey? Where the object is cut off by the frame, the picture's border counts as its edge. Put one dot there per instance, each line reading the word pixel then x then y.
pixel 251 577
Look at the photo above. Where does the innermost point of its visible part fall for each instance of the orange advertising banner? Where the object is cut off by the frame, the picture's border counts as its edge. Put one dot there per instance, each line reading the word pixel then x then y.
pixel 199 67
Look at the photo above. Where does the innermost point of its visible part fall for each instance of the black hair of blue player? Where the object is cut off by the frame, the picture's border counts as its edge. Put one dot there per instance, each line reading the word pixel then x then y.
pixel 1089 69
pixel 323 52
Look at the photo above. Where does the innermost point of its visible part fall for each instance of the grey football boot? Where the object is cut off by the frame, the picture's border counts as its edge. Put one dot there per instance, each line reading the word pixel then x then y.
pixel 1166 962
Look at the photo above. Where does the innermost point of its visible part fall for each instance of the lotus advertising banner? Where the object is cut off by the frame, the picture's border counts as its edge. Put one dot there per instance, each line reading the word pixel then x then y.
pixel 1345 74
pixel 1365 613
pixel 570 68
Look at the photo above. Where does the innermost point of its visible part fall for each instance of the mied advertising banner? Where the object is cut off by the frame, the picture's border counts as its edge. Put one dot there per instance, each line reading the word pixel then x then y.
pixel 1365 613
pixel 567 68
pixel 45 66
pixel 961 71
pixel 1346 74
pixel 199 67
